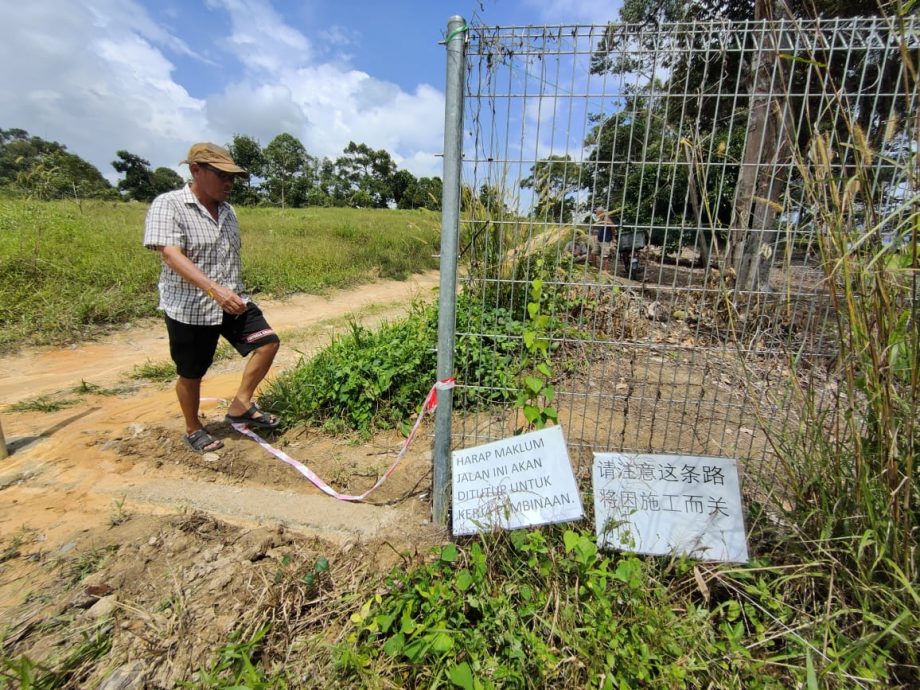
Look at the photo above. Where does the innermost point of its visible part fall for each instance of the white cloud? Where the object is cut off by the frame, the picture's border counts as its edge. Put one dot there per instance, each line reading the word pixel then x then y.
pixel 260 37
pixel 337 104
pixel 260 111
pixel 93 78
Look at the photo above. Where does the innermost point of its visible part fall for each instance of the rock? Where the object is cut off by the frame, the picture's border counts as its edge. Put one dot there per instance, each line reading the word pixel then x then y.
pixel 210 457
pixel 103 608
pixel 98 591
pixel 66 548
pixel 655 312
pixel 130 676
pixel 255 545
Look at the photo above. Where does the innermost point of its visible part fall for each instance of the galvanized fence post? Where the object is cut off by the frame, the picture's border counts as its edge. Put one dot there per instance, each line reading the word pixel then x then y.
pixel 450 230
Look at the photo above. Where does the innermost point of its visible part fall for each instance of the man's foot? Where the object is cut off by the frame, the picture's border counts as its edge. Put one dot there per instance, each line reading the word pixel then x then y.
pixel 254 416
pixel 202 442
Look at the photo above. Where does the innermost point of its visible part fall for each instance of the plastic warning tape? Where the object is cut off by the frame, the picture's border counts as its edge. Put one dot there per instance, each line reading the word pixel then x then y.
pixel 431 402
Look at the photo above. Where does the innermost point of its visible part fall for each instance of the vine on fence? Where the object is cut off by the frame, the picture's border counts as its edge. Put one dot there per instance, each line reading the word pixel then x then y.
pixel 537 393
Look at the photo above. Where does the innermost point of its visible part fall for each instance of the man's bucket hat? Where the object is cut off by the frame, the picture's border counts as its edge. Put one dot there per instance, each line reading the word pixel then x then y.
pixel 213 155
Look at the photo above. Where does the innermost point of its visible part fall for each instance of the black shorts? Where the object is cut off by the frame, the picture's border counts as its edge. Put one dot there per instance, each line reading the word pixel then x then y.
pixel 192 347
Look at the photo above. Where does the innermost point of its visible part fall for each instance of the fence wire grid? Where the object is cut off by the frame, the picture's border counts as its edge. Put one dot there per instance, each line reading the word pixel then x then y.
pixel 654 179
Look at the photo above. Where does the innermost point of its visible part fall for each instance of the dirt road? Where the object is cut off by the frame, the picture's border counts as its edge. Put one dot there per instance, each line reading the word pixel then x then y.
pixel 89 465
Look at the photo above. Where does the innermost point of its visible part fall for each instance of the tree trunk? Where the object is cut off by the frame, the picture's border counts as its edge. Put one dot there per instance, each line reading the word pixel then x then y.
pixel 764 172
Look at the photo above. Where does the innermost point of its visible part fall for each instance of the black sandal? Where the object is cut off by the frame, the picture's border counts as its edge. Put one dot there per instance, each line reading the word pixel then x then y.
pixel 254 416
pixel 202 442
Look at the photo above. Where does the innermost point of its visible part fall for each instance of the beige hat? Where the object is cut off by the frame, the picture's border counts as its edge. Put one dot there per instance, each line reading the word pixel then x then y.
pixel 214 155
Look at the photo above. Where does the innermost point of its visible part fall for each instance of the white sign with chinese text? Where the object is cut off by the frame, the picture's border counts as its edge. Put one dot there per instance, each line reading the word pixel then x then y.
pixel 517 482
pixel 669 504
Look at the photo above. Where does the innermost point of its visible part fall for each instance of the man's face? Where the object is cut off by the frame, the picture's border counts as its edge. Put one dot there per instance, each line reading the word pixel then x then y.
pixel 213 183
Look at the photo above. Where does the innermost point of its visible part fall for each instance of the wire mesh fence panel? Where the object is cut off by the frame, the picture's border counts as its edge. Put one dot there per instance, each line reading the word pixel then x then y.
pixel 639 199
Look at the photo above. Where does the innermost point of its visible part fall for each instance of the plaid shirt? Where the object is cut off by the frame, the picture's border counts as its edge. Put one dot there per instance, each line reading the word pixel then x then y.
pixel 178 219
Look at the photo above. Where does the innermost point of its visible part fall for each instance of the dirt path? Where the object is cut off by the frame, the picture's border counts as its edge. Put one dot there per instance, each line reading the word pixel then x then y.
pixel 88 466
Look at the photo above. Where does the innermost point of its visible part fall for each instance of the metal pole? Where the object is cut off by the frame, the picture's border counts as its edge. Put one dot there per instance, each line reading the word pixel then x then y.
pixel 450 231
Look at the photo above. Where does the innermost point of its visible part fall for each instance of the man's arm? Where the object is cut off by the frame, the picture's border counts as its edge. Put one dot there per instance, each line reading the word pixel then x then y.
pixel 176 259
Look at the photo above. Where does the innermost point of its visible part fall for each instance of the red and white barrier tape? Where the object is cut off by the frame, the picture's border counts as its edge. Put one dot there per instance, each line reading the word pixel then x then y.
pixel 431 402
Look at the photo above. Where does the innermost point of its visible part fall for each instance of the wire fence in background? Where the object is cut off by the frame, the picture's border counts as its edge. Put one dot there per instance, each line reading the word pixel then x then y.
pixel 654 181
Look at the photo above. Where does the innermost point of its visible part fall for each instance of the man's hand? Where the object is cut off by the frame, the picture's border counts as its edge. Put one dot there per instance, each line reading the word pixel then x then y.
pixel 228 300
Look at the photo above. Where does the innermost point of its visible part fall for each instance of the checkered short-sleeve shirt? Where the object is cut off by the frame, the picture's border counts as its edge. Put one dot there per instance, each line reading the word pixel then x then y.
pixel 178 219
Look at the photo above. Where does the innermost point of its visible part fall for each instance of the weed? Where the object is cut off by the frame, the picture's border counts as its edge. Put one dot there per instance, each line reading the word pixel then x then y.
pixel 12 550
pixel 366 380
pixel 86 563
pixel 159 372
pixel 224 351
pixel 236 666
pixel 68 671
pixel 43 403
pixel 118 515
pixel 87 388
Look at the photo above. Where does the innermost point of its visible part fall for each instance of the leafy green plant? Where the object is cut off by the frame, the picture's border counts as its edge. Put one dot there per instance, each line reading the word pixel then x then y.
pixel 545 608
pixel 365 380
pixel 119 513
pixel 537 393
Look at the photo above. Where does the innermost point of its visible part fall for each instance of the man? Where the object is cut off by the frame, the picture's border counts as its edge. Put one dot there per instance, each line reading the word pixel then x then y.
pixel 201 290
pixel 604 234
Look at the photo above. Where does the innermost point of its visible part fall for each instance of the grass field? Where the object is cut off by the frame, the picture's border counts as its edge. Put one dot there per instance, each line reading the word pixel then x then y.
pixel 69 270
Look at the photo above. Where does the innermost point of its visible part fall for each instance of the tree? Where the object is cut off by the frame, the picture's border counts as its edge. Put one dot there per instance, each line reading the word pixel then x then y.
pixel 368 174
pixel 285 158
pixel 402 186
pixel 554 180
pixel 46 170
pixel 424 192
pixel 165 180
pixel 248 154
pixel 428 193
pixel 138 182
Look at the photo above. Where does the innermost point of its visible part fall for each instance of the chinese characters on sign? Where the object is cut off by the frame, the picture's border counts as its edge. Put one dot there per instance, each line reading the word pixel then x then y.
pixel 663 504
pixel 517 482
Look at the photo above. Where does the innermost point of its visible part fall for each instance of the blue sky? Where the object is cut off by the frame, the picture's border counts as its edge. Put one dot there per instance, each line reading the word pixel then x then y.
pixel 154 76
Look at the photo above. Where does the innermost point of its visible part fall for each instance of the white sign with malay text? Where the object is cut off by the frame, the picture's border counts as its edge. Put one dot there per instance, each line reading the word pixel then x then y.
pixel 669 504
pixel 517 482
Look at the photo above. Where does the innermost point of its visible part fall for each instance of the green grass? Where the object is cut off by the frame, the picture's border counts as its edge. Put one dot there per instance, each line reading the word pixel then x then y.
pixel 158 372
pixel 69 271
pixel 43 403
